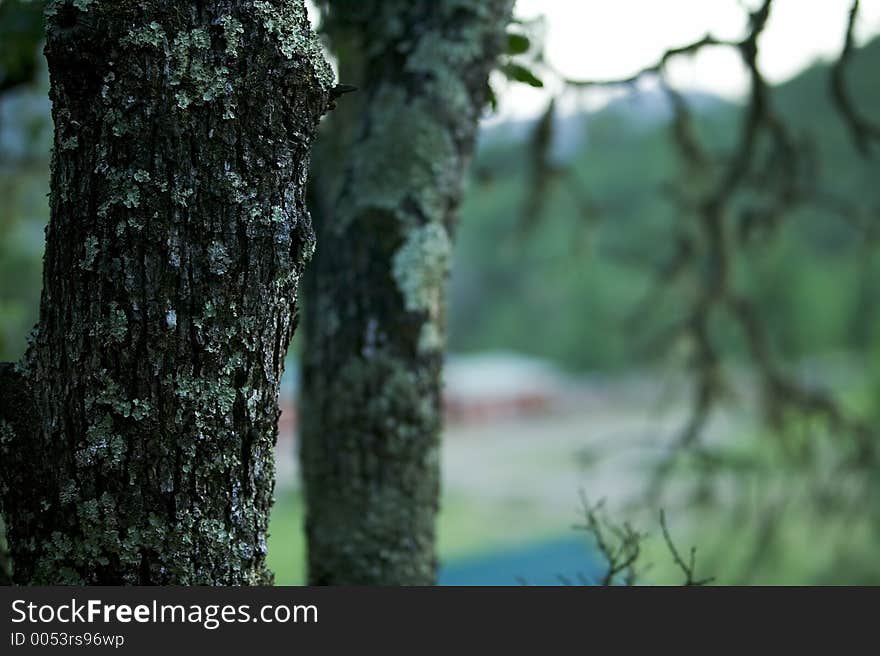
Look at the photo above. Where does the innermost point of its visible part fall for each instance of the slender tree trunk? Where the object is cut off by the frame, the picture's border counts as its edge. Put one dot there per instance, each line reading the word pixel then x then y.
pixel 375 297
pixel 137 431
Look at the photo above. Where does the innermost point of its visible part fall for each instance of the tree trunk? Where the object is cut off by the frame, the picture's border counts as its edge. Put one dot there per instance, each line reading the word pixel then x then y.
pixel 138 430
pixel 375 292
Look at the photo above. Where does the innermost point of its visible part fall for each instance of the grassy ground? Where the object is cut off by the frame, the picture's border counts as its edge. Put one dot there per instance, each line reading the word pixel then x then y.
pixel 466 527
pixel 287 545
pixel 768 516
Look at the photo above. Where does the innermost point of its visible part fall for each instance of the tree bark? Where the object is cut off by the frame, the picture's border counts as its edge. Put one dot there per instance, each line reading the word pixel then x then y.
pixel 138 429
pixel 375 293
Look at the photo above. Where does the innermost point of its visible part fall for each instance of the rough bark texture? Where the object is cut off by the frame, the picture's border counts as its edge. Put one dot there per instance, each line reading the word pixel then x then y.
pixel 137 431
pixel 375 292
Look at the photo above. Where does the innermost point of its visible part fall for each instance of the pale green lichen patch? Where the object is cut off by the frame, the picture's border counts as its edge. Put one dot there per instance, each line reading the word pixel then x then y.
pixel 110 396
pixel 91 252
pixel 116 324
pixel 232 31
pixel 431 337
pixel 220 258
pixel 204 397
pixel 123 188
pixel 420 267
pixel 288 23
pixel 131 197
pixel 193 71
pixel 52 6
pixel 102 447
pixel 151 34
pixel 407 154
pixel 181 196
pixel 440 59
pixel 7 434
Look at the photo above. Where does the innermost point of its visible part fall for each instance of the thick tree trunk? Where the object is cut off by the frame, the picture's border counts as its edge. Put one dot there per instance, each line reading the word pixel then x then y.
pixel 375 297
pixel 137 431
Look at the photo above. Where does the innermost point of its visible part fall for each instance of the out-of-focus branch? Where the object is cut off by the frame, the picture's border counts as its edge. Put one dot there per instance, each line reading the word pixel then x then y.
pixel 863 131
pixel 707 252
pixel 724 201
pixel 688 567
pixel 656 68
pixel 620 545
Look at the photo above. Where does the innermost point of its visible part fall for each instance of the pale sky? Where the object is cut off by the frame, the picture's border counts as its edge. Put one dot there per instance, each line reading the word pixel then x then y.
pixel 599 39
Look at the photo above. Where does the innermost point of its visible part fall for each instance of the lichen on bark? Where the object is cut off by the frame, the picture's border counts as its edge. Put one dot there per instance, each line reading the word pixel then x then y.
pixel 391 165
pixel 137 431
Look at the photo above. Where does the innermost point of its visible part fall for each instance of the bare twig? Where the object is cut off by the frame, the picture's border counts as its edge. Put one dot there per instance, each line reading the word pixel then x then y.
pixel 862 130
pixel 688 567
pixel 619 545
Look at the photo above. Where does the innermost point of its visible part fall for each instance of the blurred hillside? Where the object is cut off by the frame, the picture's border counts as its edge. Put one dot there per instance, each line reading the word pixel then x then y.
pixel 565 286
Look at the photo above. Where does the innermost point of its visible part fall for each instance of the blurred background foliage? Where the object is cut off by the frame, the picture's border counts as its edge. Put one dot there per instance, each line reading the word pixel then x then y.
pixel 596 253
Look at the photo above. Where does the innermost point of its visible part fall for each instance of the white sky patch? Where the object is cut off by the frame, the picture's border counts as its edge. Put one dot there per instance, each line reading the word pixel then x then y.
pixel 615 38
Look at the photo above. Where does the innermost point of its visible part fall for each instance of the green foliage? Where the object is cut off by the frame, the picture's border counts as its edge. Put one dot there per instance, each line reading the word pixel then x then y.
pixel 519 73
pixel 517 44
